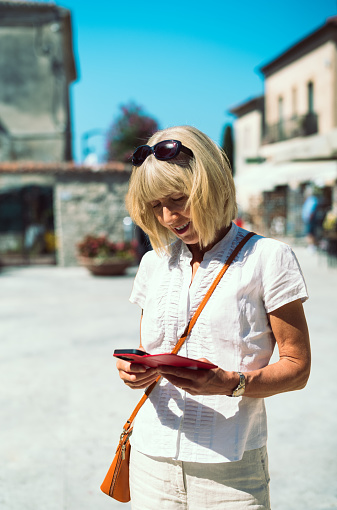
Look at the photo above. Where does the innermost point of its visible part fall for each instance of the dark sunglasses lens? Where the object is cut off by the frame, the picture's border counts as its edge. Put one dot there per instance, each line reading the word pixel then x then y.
pixel 140 155
pixel 166 150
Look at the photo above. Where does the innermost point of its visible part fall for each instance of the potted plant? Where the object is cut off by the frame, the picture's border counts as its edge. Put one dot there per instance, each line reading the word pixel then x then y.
pixel 106 258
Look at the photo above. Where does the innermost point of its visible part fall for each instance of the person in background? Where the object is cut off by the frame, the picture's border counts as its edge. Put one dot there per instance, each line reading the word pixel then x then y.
pixel 199 441
pixel 309 217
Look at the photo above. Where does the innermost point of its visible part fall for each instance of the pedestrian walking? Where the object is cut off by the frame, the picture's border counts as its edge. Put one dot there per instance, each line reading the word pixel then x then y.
pixel 199 441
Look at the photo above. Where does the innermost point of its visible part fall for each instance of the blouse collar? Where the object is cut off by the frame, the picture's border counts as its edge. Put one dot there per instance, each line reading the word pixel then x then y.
pixel 181 252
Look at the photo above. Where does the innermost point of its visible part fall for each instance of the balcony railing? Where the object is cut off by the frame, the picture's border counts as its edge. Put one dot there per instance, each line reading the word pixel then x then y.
pixel 303 125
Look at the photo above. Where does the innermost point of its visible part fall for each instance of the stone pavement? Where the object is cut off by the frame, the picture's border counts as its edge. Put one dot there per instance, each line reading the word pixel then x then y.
pixel 62 404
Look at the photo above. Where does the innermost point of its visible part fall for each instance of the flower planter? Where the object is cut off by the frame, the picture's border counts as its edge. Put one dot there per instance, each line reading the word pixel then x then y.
pixel 105 258
pixel 105 267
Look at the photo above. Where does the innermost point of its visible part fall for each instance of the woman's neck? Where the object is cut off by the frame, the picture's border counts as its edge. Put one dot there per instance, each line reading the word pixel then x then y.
pixel 198 252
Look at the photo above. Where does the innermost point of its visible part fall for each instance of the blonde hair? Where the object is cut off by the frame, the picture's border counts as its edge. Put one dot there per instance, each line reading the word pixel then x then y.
pixel 206 180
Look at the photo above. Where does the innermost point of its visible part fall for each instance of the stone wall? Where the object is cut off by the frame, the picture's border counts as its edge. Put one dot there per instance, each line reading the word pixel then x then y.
pixel 88 204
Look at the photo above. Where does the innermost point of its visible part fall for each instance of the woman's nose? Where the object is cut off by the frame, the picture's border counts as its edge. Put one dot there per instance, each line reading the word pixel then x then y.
pixel 169 215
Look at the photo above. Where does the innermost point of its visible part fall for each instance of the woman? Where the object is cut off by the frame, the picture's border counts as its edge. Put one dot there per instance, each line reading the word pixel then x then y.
pixel 200 440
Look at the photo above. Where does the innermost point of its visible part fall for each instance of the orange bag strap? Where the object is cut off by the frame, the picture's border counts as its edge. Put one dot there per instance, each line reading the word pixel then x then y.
pixel 190 325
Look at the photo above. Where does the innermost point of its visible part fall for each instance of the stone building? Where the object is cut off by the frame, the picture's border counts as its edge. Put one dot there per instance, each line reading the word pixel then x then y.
pixel 47 202
pixel 57 204
pixel 287 139
pixel 36 69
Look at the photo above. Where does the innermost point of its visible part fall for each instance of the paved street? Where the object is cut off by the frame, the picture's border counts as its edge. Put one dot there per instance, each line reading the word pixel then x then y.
pixel 62 404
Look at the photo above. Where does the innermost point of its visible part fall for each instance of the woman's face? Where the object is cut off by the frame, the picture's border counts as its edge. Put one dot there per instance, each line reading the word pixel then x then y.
pixel 171 212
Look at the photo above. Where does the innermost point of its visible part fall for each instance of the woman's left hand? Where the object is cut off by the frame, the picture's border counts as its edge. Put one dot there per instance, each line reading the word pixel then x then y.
pixel 201 382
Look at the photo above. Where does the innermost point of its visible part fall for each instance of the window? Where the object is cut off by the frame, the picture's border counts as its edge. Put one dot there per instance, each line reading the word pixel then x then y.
pixel 310 97
pixel 280 109
pixel 280 119
pixel 294 102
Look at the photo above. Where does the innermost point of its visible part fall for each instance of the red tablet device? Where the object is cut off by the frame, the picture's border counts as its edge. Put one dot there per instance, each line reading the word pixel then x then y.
pixel 154 360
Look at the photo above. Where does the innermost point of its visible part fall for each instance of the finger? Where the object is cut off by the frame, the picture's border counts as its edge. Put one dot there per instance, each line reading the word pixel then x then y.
pixel 126 366
pixel 177 371
pixel 192 377
pixel 148 372
pixel 133 378
pixel 140 384
pixel 123 365
pixel 138 368
pixel 178 381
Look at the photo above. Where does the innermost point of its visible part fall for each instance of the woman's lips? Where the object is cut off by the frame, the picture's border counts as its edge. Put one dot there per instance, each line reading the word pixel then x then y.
pixel 183 229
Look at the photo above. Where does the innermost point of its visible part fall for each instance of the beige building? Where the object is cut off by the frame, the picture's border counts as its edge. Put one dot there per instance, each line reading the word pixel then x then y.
pixel 288 138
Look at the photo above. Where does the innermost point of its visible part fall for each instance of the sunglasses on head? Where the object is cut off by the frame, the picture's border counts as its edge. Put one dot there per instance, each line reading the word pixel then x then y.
pixel 165 150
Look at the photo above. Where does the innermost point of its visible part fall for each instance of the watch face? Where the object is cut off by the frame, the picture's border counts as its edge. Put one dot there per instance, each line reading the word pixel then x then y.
pixel 239 392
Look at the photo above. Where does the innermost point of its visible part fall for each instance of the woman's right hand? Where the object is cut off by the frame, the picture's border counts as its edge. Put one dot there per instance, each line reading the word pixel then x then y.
pixel 136 376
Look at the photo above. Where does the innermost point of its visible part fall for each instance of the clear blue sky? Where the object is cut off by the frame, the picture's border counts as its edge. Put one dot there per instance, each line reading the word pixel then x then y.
pixel 185 62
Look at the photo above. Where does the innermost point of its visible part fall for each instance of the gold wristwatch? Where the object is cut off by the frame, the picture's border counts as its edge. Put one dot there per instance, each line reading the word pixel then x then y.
pixel 240 389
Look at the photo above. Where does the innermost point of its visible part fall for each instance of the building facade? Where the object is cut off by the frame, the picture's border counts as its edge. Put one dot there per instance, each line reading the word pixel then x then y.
pixel 287 139
pixel 36 69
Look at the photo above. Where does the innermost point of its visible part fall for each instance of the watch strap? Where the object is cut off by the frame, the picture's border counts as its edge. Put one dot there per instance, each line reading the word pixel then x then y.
pixel 240 389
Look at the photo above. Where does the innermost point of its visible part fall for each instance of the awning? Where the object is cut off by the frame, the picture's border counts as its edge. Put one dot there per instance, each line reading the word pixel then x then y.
pixel 323 173
pixel 267 176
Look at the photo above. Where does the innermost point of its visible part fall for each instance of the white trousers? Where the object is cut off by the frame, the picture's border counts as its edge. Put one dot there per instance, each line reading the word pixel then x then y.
pixel 157 483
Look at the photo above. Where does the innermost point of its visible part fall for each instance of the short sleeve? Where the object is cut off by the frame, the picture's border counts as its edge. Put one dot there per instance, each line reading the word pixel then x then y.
pixel 282 278
pixel 139 290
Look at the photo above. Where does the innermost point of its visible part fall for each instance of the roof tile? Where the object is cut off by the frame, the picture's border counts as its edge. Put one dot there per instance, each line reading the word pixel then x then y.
pixel 65 167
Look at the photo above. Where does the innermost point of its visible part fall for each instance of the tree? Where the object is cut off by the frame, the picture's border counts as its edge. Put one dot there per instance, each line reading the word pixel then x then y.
pixel 131 128
pixel 228 145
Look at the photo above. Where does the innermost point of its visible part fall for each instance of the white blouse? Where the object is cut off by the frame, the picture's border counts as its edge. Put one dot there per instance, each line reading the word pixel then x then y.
pixel 232 331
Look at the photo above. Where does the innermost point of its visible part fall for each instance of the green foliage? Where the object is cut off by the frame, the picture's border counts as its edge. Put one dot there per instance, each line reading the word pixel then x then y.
pixel 131 128
pixel 228 145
